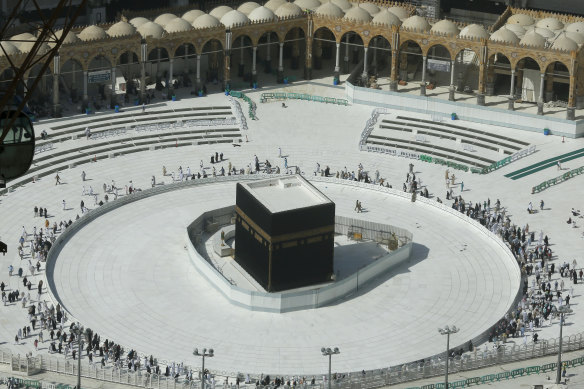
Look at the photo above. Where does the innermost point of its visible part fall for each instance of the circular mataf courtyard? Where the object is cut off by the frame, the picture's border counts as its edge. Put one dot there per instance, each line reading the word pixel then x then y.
pixel 127 275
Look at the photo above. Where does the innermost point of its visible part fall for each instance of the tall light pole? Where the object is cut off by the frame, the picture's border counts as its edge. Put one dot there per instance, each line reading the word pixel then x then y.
pixel 447 331
pixel 205 353
pixel 77 329
pixel 327 351
pixel 562 310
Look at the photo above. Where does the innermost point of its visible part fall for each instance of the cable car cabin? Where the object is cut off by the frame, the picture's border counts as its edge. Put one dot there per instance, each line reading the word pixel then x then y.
pixel 17 147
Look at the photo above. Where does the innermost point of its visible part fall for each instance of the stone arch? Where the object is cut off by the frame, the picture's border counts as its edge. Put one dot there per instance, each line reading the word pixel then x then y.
pixel 295 46
pixel 203 47
pixel 241 54
pixel 283 34
pixel 410 61
pixel 516 62
pixel 212 60
pixel 323 46
pixel 498 74
pixel 380 49
pixel 72 75
pixel 268 46
pixel 463 49
pixel 528 70
pixel 124 52
pixel 438 51
pixel 557 81
pixel 153 53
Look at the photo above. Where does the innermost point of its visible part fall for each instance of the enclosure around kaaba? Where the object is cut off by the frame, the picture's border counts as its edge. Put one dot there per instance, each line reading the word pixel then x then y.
pixel 284 232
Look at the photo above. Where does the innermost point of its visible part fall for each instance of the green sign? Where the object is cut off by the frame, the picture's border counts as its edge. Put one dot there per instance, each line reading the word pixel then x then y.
pixel 99 76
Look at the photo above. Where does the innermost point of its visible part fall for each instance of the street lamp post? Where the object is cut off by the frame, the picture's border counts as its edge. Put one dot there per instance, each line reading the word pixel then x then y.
pixel 204 353
pixel 562 310
pixel 77 329
pixel 327 351
pixel 447 331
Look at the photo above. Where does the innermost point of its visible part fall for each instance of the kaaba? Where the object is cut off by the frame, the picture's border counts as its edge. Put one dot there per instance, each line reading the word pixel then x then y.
pixel 284 233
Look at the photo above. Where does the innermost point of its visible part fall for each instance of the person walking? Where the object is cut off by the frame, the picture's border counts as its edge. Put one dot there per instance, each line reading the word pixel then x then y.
pixel 64 205
pixel 57 179
pixel 83 176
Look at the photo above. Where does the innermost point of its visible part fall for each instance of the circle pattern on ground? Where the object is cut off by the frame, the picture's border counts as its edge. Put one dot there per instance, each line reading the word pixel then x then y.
pixel 127 276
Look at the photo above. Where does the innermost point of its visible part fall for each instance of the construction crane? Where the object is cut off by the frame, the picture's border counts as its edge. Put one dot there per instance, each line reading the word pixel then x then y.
pixel 17 139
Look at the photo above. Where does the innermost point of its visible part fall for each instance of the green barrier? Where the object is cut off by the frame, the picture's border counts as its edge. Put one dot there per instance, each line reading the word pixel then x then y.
pixel 430 386
pixel 532 369
pixel 457 384
pixel 251 108
pixel 549 366
pixel 301 96
pixel 473 380
pixel 557 180
pixel 517 372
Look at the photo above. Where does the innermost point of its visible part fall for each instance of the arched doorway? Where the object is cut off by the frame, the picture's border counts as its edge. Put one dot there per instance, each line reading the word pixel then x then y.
pixel 439 67
pixel 354 49
pixel 241 54
pixel 323 48
pixel 410 64
pixel 184 58
pixel 294 51
pixel 209 65
pixel 158 65
pixel 498 75
pixel 380 50
pixel 99 82
pixel 267 48
pixel 128 66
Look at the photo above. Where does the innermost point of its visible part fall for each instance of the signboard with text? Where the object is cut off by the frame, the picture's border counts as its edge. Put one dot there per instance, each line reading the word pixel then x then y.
pixel 99 76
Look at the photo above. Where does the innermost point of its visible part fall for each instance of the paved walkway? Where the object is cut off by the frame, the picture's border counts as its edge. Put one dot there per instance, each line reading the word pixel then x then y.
pixel 308 132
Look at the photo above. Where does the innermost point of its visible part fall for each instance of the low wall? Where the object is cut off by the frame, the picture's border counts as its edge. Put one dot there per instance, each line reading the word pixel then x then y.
pixel 305 299
pixel 465 111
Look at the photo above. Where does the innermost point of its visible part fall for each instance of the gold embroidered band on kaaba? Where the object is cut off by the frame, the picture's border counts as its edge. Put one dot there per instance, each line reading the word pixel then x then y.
pixel 284 237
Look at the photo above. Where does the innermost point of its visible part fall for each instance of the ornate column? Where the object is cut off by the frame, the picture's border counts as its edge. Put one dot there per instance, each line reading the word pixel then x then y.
pixel 451 88
pixel 85 97
pixel 393 78
pixel 423 84
pixel 540 100
pixel 511 105
pixel 198 77
pixel 490 87
pixel 346 59
pixel 337 58
pixel 143 57
pixel 254 76
pixel 227 61
pixel 280 76
pixel 56 75
pixel 113 98
pixel 170 75
pixel 571 110
pixel 308 57
pixel 482 71
pixel 241 67
pixel 364 75
pixel 308 54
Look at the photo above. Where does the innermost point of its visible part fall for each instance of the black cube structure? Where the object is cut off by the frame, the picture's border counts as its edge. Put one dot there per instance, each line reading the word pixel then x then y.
pixel 284 232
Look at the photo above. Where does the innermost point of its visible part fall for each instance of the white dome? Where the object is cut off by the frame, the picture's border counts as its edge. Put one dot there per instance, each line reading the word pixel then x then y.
pixel 69 39
pixel 533 39
pixel 288 10
pixel 92 33
pixel 178 25
pixel 576 27
pixel 220 11
pixel 234 18
pixel 274 4
pixel 386 18
pixel 121 29
pixel 164 19
pixel 343 4
pixel 137 22
pixel 206 21
pixel 505 36
pixel 564 43
pixel 445 27
pixel 10 48
pixel 26 47
pixel 400 12
pixel 371 8
pixel 262 14
pixel 545 32
pixel 329 10
pixel 416 23
pixel 358 14
pixel 474 31
pixel 517 29
pixel 151 29
pixel 521 19
pixel 550 23
pixel 308 4
pixel 247 7
pixel 192 15
pixel 575 36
